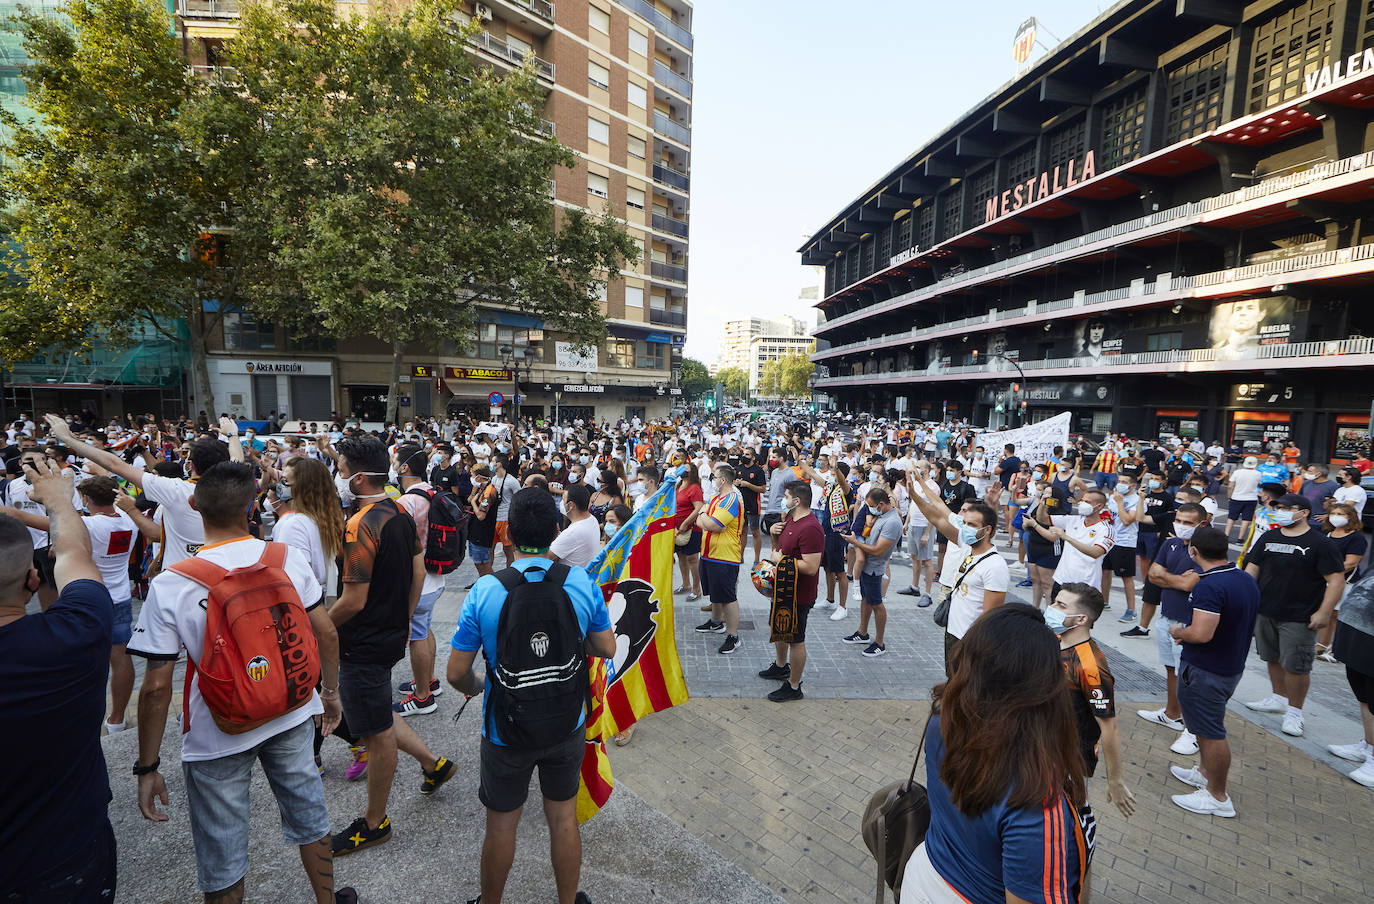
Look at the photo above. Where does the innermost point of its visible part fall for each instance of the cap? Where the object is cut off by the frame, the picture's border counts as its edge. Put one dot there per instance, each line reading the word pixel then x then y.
pixel 1251 461
pixel 1295 500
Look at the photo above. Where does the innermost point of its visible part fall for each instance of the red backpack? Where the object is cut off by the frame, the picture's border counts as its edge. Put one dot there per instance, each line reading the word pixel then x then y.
pixel 261 659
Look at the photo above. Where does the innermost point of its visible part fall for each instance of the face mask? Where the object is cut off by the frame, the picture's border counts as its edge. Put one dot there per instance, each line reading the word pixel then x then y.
pixel 558 465
pixel 267 506
pixel 584 458
pixel 1184 531
pixel 1055 619
pixel 1085 509
pixel 1124 489
pixel 1039 475
pixel 342 484
pixel 282 491
pixel 952 476
pixel 1283 519
pixel 574 477
pixel 1155 484
pixel 1338 520
pixel 968 535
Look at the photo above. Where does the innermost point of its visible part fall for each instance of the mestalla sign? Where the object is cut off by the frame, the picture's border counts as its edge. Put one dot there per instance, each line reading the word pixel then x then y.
pixel 1038 188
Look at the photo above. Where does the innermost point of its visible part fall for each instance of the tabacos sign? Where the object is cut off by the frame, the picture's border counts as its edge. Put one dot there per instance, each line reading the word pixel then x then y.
pixel 1038 188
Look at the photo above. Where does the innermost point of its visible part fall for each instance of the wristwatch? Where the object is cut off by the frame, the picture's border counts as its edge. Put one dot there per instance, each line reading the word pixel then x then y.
pixel 144 770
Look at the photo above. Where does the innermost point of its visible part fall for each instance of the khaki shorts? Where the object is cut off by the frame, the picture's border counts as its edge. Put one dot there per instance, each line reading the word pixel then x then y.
pixel 1291 644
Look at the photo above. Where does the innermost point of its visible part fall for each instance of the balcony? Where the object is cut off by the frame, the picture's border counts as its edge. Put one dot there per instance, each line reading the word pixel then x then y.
pixel 667 318
pixel 661 23
pixel 668 272
pixel 671 80
pixel 498 48
pixel 670 225
pixel 666 175
pixel 672 130
pixel 540 8
pixel 208 9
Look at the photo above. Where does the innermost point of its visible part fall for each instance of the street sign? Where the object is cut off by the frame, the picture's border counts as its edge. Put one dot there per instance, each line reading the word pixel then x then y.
pixel 496 400
pixel 405 401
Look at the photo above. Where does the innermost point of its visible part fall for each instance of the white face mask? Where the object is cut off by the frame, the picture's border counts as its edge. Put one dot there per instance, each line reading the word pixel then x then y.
pixel 1085 509
pixel 1338 520
pixel 1184 531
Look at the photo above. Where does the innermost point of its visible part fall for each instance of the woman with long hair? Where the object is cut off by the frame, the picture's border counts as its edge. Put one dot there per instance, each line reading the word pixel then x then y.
pixel 607 496
pixel 1343 527
pixel 690 500
pixel 1004 773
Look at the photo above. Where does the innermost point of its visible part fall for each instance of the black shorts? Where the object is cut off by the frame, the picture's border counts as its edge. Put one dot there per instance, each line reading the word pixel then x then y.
pixel 719 581
pixel 506 771
pixel 751 521
pixel 1120 561
pixel 833 556
pixel 45 565
pixel 693 546
pixel 769 520
pixel 365 697
pixel 1240 511
pixel 1361 685
pixel 803 616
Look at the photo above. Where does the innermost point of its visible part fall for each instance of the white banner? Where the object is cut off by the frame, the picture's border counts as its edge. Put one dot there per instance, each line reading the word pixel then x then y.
pixel 568 357
pixel 1034 442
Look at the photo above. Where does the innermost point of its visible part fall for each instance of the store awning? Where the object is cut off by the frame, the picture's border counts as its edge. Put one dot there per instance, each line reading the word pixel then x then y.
pixel 660 338
pixel 514 319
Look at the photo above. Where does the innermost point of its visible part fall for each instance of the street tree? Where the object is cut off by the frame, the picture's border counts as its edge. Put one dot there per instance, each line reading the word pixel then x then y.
pixel 735 381
pixel 393 183
pixel 694 380
pixel 794 368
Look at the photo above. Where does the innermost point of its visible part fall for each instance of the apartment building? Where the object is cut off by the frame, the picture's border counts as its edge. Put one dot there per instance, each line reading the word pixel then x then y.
pixel 618 81
pixel 1159 226
pixel 738 336
pixel 765 348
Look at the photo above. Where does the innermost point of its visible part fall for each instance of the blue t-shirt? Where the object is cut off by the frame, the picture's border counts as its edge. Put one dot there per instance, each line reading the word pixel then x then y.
pixel 482 612
pixel 1038 853
pixel 54 791
pixel 1173 557
pixel 1234 595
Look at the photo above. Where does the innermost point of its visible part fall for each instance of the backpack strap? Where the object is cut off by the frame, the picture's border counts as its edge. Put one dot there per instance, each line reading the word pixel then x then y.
pixel 510 578
pixel 274 555
pixel 416 491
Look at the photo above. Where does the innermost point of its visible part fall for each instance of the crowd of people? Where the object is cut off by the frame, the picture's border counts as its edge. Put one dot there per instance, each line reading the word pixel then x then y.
pixel 362 526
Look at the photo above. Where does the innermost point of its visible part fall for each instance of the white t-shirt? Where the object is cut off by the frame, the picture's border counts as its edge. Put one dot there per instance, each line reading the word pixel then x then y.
pixel 579 543
pixel 986 572
pixel 1076 566
pixel 182 530
pixel 417 507
pixel 112 540
pixel 1356 496
pixel 1245 485
pixel 173 617
pixel 301 533
pixel 1126 534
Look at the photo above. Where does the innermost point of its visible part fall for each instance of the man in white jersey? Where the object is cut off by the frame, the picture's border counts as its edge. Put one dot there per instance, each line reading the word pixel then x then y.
pixel 1087 537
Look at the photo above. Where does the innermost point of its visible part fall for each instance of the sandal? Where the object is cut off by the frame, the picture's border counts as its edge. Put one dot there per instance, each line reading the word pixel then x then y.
pixel 679 590
pixel 693 596
pixel 624 737
pixel 1325 654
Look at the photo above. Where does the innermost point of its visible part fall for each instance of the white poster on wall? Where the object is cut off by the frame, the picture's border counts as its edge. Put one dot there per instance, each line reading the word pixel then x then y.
pixel 568 357
pixel 1034 442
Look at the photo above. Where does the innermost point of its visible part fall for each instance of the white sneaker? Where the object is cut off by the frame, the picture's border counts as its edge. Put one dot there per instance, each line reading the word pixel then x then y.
pixel 839 613
pixel 1355 753
pixel 1292 724
pixel 1365 774
pixel 1202 801
pixel 1158 717
pixel 117 727
pixel 1270 704
pixel 1186 745
pixel 1192 776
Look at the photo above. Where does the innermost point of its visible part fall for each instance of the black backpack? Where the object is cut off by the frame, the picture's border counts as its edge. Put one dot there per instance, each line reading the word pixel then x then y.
pixel 539 683
pixel 446 540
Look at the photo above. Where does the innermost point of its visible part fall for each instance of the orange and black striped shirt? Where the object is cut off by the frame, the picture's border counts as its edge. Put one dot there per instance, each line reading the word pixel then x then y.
pixel 1091 686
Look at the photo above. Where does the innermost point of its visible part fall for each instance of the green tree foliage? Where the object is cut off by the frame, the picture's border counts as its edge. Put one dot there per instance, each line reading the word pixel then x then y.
pixel 794 369
pixel 695 380
pixel 735 380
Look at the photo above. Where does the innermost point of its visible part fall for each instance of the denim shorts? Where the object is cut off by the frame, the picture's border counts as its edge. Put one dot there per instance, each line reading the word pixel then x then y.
pixel 480 555
pixel 871 588
pixel 424 611
pixel 218 801
pixel 1203 695
pixel 365 696
pixel 1164 643
pixel 123 623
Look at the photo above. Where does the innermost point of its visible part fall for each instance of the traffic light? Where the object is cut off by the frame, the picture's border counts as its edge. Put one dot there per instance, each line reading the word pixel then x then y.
pixel 1016 387
pixel 710 403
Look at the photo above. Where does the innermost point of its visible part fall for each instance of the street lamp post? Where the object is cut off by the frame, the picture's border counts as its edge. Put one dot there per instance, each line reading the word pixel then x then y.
pixel 1021 373
pixel 811 403
pixel 512 359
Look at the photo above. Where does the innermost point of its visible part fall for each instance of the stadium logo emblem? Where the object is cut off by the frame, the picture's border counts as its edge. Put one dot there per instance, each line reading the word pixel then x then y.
pixel 539 643
pixel 249 367
pixel 258 667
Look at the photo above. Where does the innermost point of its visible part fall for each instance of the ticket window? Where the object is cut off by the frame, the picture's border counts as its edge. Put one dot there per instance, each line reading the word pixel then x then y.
pixel 1254 431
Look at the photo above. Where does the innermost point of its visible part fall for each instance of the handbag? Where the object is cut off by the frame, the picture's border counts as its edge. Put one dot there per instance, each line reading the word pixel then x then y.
pixel 941 613
pixel 894 824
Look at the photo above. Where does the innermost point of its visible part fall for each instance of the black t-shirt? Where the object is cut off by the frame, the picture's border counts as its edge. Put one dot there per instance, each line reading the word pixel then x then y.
pixel 444 478
pixel 1292 572
pixel 1352 544
pixel 955 495
pixel 1153 459
pixel 1160 507
pixel 1132 467
pixel 380 543
pixel 1178 474
pixel 750 474
pixel 54 790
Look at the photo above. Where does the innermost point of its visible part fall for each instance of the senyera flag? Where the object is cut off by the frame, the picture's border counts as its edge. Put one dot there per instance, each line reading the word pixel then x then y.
pixel 635 573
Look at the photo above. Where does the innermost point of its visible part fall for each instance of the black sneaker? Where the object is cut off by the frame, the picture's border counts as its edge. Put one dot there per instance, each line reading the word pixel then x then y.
pixel 347 895
pixel 910 591
pixel 435 687
pixel 874 650
pixel 786 692
pixel 924 601
pixel 731 645
pixel 1135 631
pixel 443 771
pixel 856 638
pixel 582 898
pixel 711 627
pixel 776 672
pixel 358 836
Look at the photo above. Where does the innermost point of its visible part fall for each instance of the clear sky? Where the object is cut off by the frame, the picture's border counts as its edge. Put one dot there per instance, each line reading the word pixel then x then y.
pixel 799 105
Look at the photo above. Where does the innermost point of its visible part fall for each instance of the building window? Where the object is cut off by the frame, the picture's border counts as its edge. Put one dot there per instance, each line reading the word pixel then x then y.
pixel 1066 143
pixel 984 186
pixel 492 336
pixel 519 49
pixel 1021 165
pixel 598 131
pixel 903 238
pixel 1195 93
pixel 634 146
pixel 1286 48
pixel 245 332
pixel 638 95
pixel 598 185
pixel 634 297
pixel 1163 342
pixel 925 226
pixel 884 252
pixel 953 214
pixel 620 353
pixel 649 355
pixel 599 19
pixel 1123 128
pixel 311 343
pixel 634 197
pixel 599 75
pixel 639 43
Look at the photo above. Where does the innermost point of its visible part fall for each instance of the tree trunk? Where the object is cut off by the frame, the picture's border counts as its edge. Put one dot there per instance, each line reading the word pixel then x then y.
pixel 393 393
pixel 200 371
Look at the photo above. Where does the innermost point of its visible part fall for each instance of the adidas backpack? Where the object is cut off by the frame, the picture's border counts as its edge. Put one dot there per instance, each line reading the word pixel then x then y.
pixel 260 659
pixel 446 538
pixel 540 681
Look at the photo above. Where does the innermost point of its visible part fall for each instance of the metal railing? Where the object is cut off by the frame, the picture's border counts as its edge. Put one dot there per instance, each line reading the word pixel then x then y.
pixel 669 224
pixel 674 130
pixel 208 9
pixel 671 177
pixel 1113 234
pixel 540 8
pixel 667 318
pixel 661 23
pixel 671 80
pixel 668 271
pixel 497 47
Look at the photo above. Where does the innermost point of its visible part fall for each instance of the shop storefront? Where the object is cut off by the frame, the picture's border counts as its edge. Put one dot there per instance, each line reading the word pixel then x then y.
pixel 1090 403
pixel 252 388
pixel 1180 422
